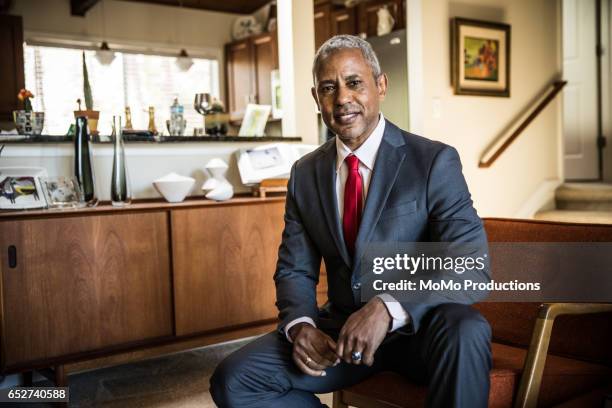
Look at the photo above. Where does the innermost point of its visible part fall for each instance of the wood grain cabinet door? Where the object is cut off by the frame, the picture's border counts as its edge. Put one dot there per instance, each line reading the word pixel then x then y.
pixel 224 261
pixel 344 21
pixel 76 284
pixel 266 60
pixel 240 77
pixel 322 24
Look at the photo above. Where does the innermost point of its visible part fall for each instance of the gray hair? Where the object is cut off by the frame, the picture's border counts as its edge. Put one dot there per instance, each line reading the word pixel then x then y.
pixel 341 42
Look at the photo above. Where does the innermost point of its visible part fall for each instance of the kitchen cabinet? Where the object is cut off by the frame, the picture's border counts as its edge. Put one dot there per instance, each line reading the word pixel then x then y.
pixel 322 23
pixel 240 74
pixel 330 19
pixel 11 68
pixel 75 284
pixel 367 15
pixel 249 64
pixel 344 21
pixel 265 56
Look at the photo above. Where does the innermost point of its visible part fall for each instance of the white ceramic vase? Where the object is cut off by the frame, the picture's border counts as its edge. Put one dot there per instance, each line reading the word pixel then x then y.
pixel 216 186
pixel 174 187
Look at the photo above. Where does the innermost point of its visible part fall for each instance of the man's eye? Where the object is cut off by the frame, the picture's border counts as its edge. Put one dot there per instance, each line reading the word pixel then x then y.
pixel 327 89
pixel 354 83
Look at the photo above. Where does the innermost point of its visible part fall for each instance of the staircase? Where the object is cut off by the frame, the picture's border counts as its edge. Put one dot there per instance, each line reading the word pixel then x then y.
pixel 581 202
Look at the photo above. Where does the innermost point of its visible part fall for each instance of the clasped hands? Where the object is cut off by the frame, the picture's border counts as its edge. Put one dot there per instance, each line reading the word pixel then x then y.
pixel 362 333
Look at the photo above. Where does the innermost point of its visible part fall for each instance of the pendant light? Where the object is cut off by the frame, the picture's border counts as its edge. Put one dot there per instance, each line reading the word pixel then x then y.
pixel 183 61
pixel 104 54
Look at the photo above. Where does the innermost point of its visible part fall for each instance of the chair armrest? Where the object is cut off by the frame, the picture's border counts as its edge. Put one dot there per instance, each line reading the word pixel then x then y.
pixel 531 379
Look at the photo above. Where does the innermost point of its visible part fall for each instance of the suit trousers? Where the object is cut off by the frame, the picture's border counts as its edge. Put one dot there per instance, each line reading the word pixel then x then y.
pixel 450 353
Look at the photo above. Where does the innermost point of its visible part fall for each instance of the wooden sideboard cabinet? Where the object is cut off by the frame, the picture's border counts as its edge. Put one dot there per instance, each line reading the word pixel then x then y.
pixel 83 283
pixel 110 284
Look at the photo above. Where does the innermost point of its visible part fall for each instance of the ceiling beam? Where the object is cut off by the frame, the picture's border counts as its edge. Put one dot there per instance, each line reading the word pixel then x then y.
pixel 81 7
pixel 5 5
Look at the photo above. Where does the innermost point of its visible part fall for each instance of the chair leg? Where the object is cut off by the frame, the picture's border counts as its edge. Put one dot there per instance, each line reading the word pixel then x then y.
pixel 27 377
pixel 338 400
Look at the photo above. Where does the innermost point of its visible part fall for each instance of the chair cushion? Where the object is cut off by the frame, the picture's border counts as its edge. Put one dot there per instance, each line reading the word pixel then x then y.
pixel 563 379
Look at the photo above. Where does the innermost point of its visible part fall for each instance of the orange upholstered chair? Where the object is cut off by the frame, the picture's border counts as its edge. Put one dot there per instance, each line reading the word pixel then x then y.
pixel 543 354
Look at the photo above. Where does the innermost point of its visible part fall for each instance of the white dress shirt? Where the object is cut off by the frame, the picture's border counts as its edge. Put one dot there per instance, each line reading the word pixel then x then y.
pixel 366 153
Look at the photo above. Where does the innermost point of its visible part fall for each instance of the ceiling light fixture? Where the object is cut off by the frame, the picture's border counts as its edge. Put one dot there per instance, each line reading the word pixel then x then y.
pixel 183 61
pixel 104 54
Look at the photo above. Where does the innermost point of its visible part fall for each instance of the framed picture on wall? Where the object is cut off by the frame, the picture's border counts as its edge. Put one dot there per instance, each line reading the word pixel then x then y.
pixel 480 57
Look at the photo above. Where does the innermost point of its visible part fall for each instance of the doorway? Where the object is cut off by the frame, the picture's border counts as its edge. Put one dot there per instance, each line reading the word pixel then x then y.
pixel 582 103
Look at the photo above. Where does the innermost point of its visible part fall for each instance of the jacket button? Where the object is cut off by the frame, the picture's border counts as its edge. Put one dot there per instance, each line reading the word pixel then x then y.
pixel 357 286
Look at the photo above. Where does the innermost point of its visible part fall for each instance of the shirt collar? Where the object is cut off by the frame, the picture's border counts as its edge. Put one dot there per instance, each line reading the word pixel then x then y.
pixel 366 153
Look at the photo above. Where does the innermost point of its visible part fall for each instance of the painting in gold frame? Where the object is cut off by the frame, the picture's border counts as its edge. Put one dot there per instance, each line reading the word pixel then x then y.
pixel 480 57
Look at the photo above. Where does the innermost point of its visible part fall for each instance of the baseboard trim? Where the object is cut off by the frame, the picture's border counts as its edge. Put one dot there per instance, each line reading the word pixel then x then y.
pixel 543 198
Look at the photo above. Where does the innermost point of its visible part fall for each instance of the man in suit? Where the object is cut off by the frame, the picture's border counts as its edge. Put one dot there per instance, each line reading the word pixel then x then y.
pixel 372 183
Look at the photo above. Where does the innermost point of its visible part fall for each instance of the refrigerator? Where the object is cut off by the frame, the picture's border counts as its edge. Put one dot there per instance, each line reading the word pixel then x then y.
pixel 393 57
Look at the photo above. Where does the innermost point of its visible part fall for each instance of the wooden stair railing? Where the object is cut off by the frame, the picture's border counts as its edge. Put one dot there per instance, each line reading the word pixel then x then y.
pixel 496 149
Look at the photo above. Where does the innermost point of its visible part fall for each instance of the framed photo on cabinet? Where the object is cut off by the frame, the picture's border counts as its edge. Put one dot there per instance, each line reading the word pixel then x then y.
pixel 21 189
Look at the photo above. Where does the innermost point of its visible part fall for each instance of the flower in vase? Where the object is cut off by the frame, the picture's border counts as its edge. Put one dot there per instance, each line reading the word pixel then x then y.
pixel 24 95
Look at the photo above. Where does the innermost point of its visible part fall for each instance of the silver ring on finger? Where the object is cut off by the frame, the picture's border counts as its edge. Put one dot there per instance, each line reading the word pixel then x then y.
pixel 356 356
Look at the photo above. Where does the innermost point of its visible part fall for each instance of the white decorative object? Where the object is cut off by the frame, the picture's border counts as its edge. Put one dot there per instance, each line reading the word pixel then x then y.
pixel 269 161
pixel 385 21
pixel 21 188
pixel 245 27
pixel 217 187
pixel 174 187
pixel 255 119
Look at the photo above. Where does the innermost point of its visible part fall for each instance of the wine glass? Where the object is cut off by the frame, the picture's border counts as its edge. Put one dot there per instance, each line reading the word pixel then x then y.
pixel 202 103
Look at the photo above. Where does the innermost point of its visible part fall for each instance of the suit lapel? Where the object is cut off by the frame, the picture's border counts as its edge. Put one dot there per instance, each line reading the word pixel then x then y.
pixel 386 168
pixel 326 182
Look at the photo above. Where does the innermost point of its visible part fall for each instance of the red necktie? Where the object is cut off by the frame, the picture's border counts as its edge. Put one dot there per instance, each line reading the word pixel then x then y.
pixel 353 191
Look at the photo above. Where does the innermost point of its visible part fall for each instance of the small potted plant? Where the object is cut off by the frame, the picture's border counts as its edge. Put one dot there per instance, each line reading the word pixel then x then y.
pixel 92 115
pixel 26 120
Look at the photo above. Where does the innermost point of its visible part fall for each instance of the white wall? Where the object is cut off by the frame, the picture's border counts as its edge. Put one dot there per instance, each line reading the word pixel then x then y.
pixel 471 123
pixel 145 163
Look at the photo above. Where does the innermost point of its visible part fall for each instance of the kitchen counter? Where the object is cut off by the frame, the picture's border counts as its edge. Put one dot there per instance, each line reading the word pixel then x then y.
pixel 21 139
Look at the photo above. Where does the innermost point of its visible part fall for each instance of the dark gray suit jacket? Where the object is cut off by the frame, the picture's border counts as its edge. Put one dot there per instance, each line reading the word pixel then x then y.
pixel 417 193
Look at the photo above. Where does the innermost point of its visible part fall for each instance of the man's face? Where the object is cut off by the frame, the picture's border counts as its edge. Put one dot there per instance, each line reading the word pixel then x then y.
pixel 348 96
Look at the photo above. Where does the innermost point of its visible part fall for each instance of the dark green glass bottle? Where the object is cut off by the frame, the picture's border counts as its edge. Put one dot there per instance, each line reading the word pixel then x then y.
pixel 120 182
pixel 83 166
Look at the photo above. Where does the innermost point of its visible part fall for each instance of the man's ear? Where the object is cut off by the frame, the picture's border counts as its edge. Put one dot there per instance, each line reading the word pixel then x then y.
pixel 313 91
pixel 381 84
